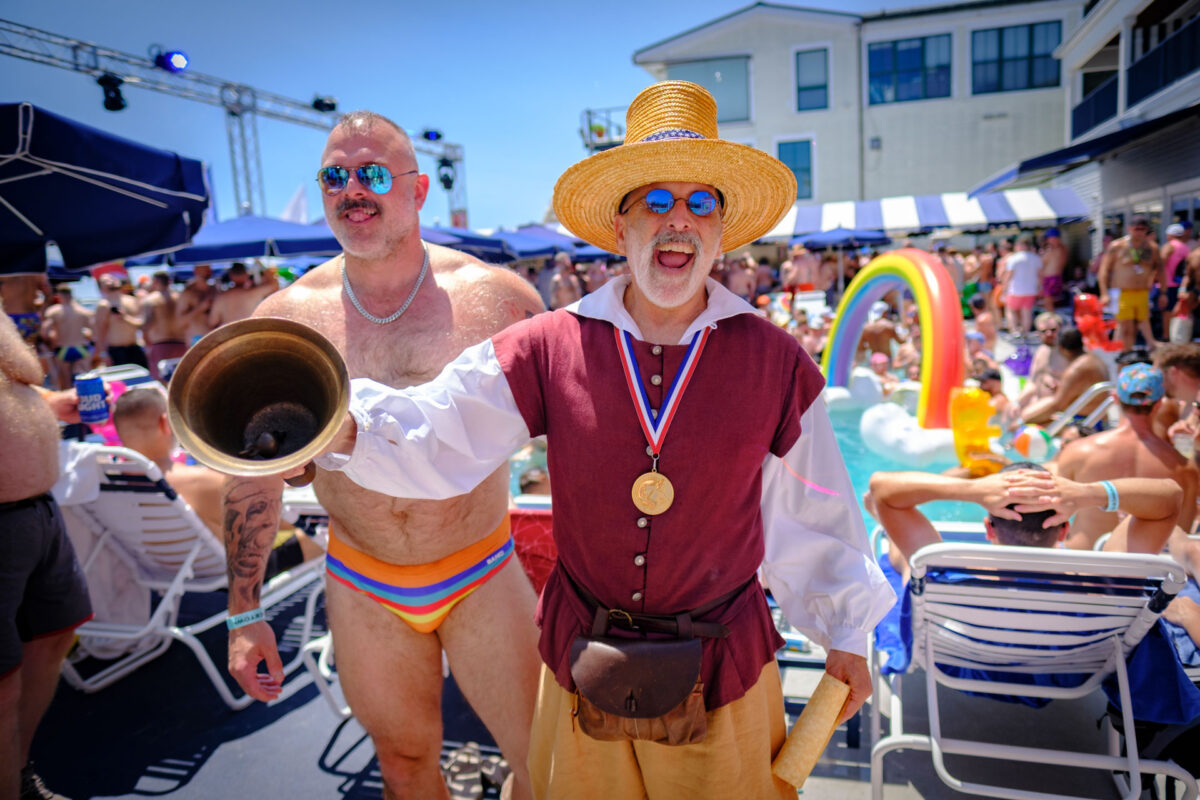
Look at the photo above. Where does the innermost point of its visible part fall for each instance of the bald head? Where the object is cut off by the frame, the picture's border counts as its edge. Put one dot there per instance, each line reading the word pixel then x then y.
pixel 137 412
pixel 369 123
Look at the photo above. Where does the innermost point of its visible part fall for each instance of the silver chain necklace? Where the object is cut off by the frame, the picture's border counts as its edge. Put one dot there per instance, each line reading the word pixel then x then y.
pixel 395 315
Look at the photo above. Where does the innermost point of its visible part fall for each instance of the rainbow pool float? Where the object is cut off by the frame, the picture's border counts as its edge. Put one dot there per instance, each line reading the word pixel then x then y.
pixel 886 428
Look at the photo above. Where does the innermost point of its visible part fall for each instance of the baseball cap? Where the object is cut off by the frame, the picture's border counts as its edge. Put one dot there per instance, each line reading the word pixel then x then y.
pixel 974 336
pixel 1175 230
pixel 991 374
pixel 1140 385
pixel 1139 219
pixel 878 309
pixel 1052 232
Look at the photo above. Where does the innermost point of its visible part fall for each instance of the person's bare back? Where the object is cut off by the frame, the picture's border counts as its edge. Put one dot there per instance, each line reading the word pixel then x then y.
pixel 236 302
pixel 163 321
pixel 1124 452
pixel 879 335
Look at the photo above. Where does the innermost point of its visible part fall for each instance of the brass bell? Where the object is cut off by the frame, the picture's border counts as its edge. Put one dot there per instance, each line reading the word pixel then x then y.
pixel 258 397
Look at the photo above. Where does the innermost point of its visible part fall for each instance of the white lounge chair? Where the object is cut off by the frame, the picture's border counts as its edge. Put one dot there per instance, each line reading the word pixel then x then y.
pixel 1027 611
pixel 139 521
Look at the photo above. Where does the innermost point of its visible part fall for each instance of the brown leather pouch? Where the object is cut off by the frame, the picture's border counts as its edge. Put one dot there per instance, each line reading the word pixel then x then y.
pixel 639 688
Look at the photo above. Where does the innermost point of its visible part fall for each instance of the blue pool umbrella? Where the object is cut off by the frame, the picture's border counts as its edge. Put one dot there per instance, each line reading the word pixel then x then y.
pixel 486 248
pixel 841 237
pixel 581 250
pixel 522 245
pixel 97 196
pixel 254 237
pixel 431 235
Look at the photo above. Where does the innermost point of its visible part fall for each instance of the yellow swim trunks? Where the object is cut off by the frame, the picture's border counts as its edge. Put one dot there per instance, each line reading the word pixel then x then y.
pixel 1134 304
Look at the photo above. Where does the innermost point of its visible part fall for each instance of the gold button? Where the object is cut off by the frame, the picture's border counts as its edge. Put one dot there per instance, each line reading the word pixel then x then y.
pixel 656 379
pixel 656 350
pixel 642 522
pixel 639 560
pixel 637 596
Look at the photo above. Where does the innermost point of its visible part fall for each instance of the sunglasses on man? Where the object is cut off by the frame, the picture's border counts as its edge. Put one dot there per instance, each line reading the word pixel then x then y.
pixel 700 202
pixel 375 177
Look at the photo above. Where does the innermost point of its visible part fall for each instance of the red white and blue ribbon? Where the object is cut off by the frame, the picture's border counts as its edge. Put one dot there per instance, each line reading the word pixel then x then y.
pixel 655 425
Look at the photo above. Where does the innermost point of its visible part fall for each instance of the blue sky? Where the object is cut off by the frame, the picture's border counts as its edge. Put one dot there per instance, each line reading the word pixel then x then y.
pixel 508 81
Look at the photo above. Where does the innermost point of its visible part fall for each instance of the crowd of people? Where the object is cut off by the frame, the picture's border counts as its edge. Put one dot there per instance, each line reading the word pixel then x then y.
pixel 455 365
pixel 142 325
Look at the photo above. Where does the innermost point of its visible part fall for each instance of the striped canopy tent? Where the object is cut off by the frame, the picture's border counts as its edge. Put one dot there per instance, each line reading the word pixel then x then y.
pixel 1024 208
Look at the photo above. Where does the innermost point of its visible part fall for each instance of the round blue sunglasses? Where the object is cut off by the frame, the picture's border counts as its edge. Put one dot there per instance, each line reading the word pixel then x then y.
pixel 700 202
pixel 375 177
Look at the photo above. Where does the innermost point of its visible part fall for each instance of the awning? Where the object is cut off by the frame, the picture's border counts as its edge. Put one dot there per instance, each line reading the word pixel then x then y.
pixel 1026 208
pixel 1043 167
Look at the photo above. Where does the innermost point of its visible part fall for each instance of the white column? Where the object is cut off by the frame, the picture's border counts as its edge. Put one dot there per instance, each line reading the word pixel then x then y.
pixel 1124 45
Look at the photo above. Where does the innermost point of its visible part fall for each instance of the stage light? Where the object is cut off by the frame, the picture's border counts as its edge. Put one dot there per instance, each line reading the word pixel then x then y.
pixel 446 173
pixel 171 60
pixel 111 84
pixel 324 104
pixel 431 135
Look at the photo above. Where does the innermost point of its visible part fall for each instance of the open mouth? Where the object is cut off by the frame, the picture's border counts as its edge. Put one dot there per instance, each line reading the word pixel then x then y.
pixel 674 255
pixel 358 211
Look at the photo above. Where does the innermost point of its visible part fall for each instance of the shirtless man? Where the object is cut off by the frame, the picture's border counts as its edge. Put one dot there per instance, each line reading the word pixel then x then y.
pixel 20 296
pixel 389 659
pixel 1048 365
pixel 1131 450
pixel 1084 369
pixel 798 272
pixel 879 333
pixel 195 301
pixel 741 280
pixel 1132 265
pixel 68 329
pixel 164 326
pixel 1054 260
pixel 140 416
pixel 118 318
pixel 240 299
pixel 564 286
pixel 43 597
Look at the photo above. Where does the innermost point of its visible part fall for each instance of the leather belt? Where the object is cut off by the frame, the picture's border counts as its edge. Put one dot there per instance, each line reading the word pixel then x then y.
pixel 682 625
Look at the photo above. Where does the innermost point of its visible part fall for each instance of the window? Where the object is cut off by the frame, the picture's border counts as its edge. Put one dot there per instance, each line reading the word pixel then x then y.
pixel 909 69
pixel 798 157
pixel 728 79
pixel 1015 58
pixel 812 80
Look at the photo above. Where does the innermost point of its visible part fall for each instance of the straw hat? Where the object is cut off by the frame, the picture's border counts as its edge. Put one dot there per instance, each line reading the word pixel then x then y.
pixel 671 135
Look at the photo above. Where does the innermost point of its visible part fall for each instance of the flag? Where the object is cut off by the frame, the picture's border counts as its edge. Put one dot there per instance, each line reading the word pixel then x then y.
pixel 297 208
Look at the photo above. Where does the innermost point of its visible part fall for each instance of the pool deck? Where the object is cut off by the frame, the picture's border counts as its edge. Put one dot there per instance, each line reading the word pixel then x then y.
pixel 163 732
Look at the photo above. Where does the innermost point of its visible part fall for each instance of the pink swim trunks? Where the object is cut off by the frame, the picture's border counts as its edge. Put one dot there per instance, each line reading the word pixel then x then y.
pixel 1019 301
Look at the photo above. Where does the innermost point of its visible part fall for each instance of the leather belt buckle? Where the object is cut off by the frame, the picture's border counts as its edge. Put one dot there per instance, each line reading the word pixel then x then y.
pixel 622 617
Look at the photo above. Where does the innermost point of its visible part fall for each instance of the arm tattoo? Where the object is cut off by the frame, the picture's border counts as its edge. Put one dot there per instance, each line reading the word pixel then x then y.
pixel 251 519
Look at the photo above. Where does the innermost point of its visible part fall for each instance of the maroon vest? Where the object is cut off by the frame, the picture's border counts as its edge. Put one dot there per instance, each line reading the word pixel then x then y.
pixel 745 399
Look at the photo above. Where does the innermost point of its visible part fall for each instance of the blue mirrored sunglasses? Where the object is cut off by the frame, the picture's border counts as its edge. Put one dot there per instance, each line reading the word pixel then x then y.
pixel 375 177
pixel 700 202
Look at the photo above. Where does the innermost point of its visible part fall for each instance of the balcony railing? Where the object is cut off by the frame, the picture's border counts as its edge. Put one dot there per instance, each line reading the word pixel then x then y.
pixel 1097 107
pixel 602 128
pixel 1177 56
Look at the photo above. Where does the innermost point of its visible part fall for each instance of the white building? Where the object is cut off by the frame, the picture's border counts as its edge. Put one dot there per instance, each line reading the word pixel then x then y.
pixel 914 102
pixel 1131 70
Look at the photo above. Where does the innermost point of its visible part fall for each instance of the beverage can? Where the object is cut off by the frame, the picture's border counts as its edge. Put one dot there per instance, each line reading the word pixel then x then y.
pixel 1184 443
pixel 93 405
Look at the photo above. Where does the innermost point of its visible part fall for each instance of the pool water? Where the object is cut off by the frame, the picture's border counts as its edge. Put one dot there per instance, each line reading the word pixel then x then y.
pixel 861 463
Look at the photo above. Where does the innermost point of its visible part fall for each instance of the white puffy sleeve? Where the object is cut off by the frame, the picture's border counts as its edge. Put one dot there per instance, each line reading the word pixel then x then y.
pixel 818 562
pixel 436 440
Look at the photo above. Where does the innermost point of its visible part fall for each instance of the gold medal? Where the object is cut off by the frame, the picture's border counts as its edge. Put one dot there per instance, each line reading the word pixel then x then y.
pixel 653 493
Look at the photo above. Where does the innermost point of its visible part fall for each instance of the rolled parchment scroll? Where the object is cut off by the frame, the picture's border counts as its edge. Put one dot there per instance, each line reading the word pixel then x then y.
pixel 812 731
